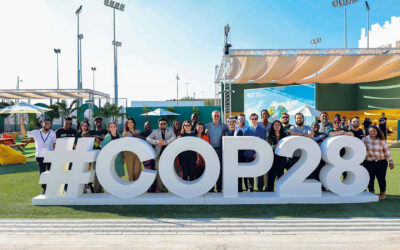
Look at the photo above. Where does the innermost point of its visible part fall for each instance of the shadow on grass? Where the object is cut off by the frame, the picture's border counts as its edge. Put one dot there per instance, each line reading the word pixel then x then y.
pixel 386 208
pixel 20 168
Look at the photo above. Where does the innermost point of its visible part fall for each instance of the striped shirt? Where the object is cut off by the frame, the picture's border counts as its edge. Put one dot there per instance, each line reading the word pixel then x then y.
pixel 377 149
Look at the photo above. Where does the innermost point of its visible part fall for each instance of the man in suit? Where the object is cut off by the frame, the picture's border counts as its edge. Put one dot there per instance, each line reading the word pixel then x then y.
pixel 160 138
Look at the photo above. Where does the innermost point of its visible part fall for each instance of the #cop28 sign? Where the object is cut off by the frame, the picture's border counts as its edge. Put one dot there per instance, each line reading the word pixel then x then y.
pixel 292 187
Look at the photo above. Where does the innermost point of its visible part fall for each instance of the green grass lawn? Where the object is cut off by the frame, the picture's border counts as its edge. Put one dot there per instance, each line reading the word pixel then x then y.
pixel 19 184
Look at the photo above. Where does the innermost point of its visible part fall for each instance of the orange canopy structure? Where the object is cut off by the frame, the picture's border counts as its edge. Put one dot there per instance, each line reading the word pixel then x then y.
pixel 346 66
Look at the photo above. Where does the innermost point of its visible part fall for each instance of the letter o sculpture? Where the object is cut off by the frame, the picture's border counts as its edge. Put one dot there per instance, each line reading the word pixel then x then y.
pixel 174 183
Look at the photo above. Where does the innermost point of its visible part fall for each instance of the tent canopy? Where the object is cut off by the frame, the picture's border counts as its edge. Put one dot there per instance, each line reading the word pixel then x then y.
pixel 347 66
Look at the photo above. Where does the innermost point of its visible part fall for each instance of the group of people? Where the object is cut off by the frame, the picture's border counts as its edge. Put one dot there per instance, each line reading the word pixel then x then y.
pixel 189 165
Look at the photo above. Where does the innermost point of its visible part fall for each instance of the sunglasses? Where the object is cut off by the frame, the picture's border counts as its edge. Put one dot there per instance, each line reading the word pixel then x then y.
pixel 216 115
pixel 254 119
pixel 84 126
pixel 68 123
pixel 163 123
pixel 241 119
pixel 47 123
pixel 187 125
pixel 337 122
pixel 285 117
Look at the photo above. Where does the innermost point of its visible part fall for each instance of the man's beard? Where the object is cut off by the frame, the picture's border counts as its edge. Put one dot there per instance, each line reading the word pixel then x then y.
pixel 300 123
pixel 46 129
pixel 286 122
pixel 356 126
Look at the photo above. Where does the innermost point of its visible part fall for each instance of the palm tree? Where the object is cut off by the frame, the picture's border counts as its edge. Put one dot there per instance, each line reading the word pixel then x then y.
pixel 54 113
pixel 109 111
pixel 65 109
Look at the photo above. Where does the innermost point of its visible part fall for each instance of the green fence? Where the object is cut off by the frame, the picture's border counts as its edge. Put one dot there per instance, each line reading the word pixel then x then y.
pixel 185 114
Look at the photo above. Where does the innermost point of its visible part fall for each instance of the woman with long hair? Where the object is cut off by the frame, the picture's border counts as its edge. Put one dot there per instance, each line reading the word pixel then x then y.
pixel 187 159
pixel 84 127
pixel 200 163
pixel 276 133
pixel 376 162
pixel 114 135
pixel 177 127
pixel 133 164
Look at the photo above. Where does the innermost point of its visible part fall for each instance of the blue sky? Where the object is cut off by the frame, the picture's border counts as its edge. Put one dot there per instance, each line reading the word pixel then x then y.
pixel 161 38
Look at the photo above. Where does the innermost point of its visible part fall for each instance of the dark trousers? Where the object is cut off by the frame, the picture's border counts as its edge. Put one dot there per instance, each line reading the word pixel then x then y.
pixel 249 181
pixel 198 171
pixel 43 167
pixel 315 174
pixel 187 161
pixel 151 165
pixel 291 162
pixel 376 169
pixel 275 172
pixel 219 181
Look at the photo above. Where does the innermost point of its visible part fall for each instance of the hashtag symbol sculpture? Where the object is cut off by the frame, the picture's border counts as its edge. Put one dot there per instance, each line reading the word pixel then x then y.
pixel 60 159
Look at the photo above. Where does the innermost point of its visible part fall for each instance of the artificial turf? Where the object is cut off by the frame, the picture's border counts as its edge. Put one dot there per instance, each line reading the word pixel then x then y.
pixel 19 184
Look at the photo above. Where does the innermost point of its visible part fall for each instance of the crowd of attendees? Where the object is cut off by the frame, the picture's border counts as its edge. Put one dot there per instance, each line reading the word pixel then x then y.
pixel 190 165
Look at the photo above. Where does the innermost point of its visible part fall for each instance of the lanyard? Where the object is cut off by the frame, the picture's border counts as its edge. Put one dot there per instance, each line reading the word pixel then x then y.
pixel 44 140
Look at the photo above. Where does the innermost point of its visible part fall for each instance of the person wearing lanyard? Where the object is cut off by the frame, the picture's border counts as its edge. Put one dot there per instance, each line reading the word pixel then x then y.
pixel 45 140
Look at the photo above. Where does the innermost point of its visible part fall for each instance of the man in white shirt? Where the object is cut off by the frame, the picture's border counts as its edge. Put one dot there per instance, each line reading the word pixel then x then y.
pixel 45 140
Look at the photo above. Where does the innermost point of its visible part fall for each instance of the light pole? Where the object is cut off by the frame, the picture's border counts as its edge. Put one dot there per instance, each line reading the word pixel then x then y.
pixel 57 51
pixel 79 54
pixel 187 88
pixel 367 6
pixel 115 5
pixel 16 101
pixel 92 102
pixel 316 41
pixel 177 84
pixel 340 3
pixel 215 87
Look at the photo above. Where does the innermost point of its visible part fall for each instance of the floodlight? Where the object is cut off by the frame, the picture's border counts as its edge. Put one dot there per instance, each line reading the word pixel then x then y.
pixel 367 5
pixel 348 1
pixel 106 2
pixel 78 11
pixel 93 68
pixel 112 3
pixel 116 5
pixel 342 2
pixel 335 4
pixel 122 7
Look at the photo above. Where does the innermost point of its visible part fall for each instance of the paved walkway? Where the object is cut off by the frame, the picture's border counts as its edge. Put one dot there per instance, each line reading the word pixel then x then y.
pixel 200 233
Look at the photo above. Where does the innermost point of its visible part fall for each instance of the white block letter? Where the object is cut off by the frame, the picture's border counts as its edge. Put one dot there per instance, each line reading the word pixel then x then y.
pixel 293 183
pixel 233 169
pixel 105 167
pixel 173 182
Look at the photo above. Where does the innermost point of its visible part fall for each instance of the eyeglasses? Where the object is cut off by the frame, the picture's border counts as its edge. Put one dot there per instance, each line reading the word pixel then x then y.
pixel 84 126
pixel 68 123
pixel 163 123
pixel 47 123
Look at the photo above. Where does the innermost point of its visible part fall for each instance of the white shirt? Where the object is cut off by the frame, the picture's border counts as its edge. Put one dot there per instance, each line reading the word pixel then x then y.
pixel 43 141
